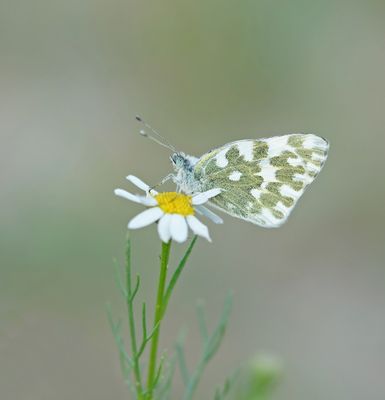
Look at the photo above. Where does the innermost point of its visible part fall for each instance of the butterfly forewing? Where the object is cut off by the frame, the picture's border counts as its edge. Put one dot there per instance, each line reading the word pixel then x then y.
pixel 261 180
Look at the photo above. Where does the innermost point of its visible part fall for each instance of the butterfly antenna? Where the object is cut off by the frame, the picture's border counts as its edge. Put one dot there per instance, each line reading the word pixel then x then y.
pixel 155 136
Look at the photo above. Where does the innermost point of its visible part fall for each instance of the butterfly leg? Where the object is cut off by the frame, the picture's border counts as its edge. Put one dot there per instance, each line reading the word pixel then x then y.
pixel 163 181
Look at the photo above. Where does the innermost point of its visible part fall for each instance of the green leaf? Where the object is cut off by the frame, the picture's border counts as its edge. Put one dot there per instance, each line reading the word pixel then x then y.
pixel 210 348
pixel 178 271
pixel 182 360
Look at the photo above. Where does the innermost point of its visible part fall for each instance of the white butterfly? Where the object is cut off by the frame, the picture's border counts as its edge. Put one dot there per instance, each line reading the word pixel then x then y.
pixel 261 180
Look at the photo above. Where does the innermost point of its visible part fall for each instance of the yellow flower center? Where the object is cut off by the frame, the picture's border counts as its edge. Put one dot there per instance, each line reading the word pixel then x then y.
pixel 175 203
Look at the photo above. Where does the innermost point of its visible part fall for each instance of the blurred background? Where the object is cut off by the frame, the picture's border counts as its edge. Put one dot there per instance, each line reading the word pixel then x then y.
pixel 73 75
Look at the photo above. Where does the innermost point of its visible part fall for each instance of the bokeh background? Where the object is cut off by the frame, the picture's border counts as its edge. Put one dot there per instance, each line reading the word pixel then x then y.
pixel 74 74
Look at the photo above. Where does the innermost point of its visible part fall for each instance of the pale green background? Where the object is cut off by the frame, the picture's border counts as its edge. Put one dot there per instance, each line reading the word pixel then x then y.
pixel 74 73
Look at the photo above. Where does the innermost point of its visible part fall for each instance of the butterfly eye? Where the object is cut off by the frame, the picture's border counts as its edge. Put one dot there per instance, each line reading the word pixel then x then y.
pixel 173 159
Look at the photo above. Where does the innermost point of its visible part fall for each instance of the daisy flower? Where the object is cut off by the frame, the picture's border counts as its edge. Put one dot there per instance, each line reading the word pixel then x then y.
pixel 174 212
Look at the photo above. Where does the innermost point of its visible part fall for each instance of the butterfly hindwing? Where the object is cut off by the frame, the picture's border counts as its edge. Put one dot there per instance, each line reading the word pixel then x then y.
pixel 261 180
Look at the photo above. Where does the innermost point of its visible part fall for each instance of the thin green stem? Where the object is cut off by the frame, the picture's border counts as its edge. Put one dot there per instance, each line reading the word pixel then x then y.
pixel 131 324
pixel 157 318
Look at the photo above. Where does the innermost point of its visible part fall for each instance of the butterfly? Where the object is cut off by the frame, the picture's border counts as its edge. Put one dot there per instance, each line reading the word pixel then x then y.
pixel 261 180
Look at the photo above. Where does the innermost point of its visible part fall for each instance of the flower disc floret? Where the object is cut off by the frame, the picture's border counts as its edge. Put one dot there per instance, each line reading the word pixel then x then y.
pixel 175 203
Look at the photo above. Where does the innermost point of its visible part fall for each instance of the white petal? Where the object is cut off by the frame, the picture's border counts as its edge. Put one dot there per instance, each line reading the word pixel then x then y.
pixel 209 214
pixel 201 198
pixel 127 195
pixel 198 228
pixel 164 228
pixel 152 192
pixel 145 218
pixel 178 228
pixel 138 182
pixel 148 201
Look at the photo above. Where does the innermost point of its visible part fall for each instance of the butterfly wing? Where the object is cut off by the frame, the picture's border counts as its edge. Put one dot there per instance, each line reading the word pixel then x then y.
pixel 261 180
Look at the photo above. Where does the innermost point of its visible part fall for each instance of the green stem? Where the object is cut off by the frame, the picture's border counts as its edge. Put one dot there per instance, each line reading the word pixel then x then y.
pixel 131 325
pixel 157 318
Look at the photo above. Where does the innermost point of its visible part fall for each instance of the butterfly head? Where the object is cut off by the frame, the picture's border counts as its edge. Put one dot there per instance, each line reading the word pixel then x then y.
pixel 179 160
pixel 184 172
pixel 183 161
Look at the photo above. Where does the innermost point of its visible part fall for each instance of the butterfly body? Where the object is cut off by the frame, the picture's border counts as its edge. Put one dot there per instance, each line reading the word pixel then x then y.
pixel 260 179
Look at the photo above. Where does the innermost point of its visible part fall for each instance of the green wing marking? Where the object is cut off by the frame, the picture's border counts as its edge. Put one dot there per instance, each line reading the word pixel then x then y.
pixel 261 180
